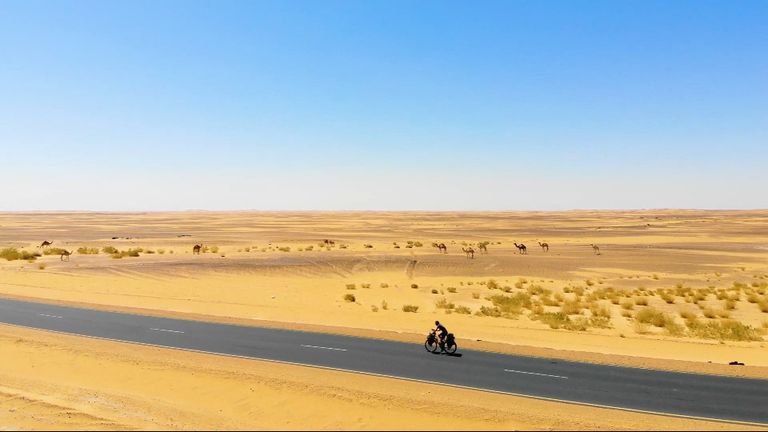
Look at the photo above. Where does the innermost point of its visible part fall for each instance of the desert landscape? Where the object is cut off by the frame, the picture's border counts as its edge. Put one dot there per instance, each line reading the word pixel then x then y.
pixel 677 290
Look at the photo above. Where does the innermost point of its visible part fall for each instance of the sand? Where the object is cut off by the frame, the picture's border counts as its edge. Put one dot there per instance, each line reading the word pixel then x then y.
pixel 273 269
pixel 60 382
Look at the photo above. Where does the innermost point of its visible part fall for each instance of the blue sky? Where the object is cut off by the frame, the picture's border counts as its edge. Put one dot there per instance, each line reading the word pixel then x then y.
pixel 383 105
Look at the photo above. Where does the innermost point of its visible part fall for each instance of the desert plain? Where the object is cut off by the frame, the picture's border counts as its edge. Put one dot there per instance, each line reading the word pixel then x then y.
pixel 666 289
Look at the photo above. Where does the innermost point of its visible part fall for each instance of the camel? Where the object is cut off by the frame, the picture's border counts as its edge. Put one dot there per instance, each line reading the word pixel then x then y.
pixel 328 242
pixel 470 252
pixel 45 244
pixel 482 247
pixel 522 248
pixel 544 246
pixel 65 253
pixel 441 247
pixel 196 249
pixel 596 249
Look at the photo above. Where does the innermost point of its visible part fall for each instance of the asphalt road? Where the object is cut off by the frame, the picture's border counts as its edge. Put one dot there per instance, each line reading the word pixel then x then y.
pixel 707 396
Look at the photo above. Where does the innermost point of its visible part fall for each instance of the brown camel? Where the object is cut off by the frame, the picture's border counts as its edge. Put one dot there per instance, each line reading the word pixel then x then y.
pixel 196 249
pixel 441 247
pixel 470 252
pixel 544 246
pixel 45 244
pixel 482 247
pixel 65 253
pixel 522 249
pixel 595 249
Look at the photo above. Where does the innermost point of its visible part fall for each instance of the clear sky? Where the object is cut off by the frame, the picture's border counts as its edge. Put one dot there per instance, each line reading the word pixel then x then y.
pixel 383 105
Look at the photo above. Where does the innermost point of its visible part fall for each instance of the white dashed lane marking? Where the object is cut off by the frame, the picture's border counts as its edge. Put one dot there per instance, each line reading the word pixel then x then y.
pixel 535 373
pixel 51 316
pixel 325 348
pixel 166 330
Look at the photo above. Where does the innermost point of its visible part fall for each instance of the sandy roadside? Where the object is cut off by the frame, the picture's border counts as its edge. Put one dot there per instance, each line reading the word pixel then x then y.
pixel 65 382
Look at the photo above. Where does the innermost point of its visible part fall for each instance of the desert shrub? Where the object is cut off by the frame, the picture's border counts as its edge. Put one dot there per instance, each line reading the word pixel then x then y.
pixel 626 313
pixel 365 286
pixel 351 286
pixel 489 311
pixel 729 304
pixel 600 322
pixel 13 254
pixel 374 308
pixel 687 315
pixel 215 249
pixel 641 301
pixel 383 285
pixel 434 291
pixel 709 313
pixel 109 250
pixel 410 308
pixel 723 314
pixel 511 306
pixel 384 305
pixel 149 251
pixel 571 307
pixel 763 305
pixel 310 248
pixel 162 251
pixel 281 249
pixel 349 297
pixel 463 310
pixel 669 299
pixel 443 303
pixel 451 290
pixel 53 251
pixel 589 282
pixel 368 246
pixel 723 330
pixel 654 317
pixel 87 251
pixel 537 290
pixel 492 284
pixel 127 253
pixel 558 320
pixel 655 276
pixel 418 244
pixel 600 311
pixel 753 298
pixel 475 296
pixel 41 266
pixel 414 286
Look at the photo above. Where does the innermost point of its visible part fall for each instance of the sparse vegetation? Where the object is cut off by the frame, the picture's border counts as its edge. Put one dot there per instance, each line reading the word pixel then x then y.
pixel 87 251
pixel 349 298
pixel 351 286
pixel 13 254
pixel 414 286
pixel 410 308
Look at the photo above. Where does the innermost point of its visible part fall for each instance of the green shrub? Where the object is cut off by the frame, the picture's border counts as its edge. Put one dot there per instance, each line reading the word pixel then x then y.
pixel 13 254
pixel 489 311
pixel 723 330
pixel 443 303
pixel 109 250
pixel 511 306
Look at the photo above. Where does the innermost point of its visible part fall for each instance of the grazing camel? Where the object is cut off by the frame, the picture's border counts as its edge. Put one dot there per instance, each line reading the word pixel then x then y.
pixel 196 249
pixel 595 249
pixel 45 244
pixel 483 247
pixel 442 248
pixel 521 247
pixel 470 252
pixel 544 246
pixel 65 253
